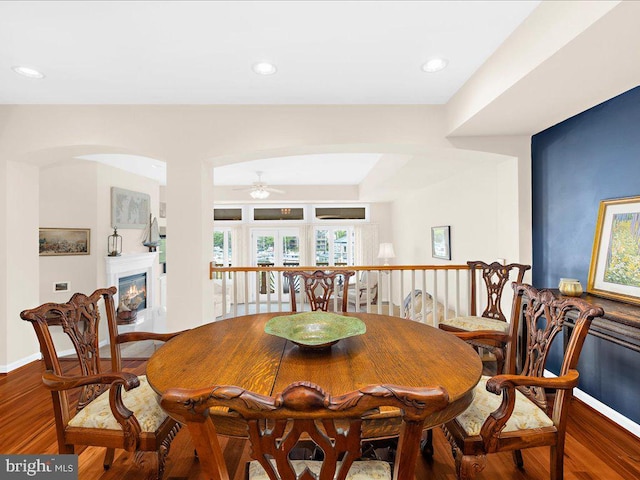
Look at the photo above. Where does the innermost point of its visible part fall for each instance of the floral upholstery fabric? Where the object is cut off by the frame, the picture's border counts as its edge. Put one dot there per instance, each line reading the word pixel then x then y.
pixel 363 470
pixel 526 414
pixel 477 323
pixel 140 400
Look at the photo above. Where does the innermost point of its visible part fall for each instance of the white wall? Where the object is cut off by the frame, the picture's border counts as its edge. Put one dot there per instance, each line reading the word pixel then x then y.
pixel 68 200
pixel 482 220
pixel 20 271
pixel 77 194
pixel 466 205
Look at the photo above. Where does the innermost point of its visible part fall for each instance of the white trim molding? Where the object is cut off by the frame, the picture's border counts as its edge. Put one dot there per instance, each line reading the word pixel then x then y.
pixel 603 409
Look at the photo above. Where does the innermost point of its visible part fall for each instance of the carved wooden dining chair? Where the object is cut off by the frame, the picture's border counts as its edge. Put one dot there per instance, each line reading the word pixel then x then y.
pixel 319 287
pixel 89 404
pixel 495 276
pixel 303 411
pixel 525 415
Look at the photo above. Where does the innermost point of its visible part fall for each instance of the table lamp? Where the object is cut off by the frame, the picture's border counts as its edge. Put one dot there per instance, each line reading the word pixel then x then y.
pixel 386 252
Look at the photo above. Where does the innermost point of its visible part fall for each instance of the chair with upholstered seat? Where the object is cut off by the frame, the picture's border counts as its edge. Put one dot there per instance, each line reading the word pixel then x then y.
pixel 365 292
pixel 495 276
pixel 304 412
pixel 511 412
pixel 112 409
pixel 319 287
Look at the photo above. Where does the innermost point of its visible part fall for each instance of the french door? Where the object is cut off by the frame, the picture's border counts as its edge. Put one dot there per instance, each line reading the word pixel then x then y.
pixel 274 248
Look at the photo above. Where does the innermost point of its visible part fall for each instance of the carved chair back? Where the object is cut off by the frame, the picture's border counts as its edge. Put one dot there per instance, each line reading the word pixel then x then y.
pixel 496 277
pixel 144 428
pixel 319 287
pixel 544 317
pixel 79 319
pixel 334 424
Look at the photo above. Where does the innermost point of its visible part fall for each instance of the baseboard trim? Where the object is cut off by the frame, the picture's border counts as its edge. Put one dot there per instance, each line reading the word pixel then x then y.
pixel 37 356
pixel 604 410
pixel 19 363
pixel 608 412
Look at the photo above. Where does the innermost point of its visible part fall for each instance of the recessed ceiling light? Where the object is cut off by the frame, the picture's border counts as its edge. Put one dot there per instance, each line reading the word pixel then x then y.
pixel 264 68
pixel 27 72
pixel 435 65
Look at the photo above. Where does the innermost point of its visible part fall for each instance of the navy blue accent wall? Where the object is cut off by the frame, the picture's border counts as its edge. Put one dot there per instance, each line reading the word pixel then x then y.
pixel 576 164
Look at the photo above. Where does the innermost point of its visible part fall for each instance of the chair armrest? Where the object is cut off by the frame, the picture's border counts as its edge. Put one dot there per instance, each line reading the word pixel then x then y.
pixel 124 416
pixel 58 382
pixel 565 382
pixel 139 336
pixel 493 425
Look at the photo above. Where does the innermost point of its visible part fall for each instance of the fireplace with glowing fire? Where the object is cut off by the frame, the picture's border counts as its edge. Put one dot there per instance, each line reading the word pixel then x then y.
pixel 133 291
pixel 135 276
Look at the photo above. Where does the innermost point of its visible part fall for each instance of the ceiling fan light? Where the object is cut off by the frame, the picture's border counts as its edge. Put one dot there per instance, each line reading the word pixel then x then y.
pixel 259 194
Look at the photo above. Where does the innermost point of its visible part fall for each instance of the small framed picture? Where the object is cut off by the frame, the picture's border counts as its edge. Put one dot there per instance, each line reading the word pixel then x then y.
pixel 61 287
pixel 64 241
pixel 441 242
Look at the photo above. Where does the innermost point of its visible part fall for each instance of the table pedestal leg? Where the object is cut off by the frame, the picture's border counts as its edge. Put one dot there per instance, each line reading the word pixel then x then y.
pixel 205 440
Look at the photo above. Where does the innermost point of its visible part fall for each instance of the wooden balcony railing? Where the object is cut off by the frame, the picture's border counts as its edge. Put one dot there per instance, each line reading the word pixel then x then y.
pixel 376 289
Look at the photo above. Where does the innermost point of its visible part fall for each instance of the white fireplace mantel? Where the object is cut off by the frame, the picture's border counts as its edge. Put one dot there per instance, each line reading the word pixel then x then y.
pixel 131 264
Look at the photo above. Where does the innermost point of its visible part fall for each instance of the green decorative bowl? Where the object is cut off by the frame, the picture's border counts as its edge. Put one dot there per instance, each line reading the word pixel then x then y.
pixel 315 330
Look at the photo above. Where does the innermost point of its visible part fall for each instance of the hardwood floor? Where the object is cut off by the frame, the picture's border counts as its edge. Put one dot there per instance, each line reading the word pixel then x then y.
pixel 596 448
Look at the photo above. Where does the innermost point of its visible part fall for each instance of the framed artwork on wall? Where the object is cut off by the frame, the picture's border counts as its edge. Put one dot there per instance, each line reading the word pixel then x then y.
pixel 129 209
pixel 441 242
pixel 64 241
pixel 615 259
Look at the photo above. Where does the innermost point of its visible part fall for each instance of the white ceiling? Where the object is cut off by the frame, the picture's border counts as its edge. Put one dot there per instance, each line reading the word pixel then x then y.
pixel 339 52
pixel 516 67
pixel 189 52
pixel 321 169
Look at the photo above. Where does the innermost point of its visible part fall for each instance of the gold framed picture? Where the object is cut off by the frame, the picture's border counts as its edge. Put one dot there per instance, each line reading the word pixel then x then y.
pixel 615 260
pixel 64 241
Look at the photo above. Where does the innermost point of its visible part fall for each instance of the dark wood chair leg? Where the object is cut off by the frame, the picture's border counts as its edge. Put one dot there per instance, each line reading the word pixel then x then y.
pixel 108 458
pixel 426 446
pixel 557 461
pixel 517 459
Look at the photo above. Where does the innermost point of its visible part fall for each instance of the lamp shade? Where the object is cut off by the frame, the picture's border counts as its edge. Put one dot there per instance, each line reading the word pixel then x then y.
pixel 386 251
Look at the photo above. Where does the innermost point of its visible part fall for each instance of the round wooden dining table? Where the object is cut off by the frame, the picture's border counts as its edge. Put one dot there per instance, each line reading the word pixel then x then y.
pixel 237 351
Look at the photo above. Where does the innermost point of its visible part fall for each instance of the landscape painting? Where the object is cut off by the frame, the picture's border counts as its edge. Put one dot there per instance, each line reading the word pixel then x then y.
pixel 623 254
pixel 615 260
pixel 64 241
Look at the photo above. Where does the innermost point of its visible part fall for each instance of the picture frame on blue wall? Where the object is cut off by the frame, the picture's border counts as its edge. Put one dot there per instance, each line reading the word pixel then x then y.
pixel 441 242
pixel 614 271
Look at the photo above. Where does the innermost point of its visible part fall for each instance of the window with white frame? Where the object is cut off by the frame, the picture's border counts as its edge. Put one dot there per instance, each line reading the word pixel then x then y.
pixel 222 250
pixel 334 245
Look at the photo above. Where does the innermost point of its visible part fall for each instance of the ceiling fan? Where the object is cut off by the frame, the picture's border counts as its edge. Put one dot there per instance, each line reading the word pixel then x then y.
pixel 260 190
